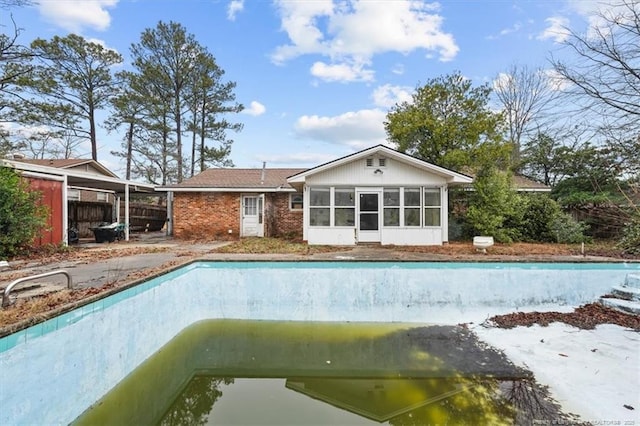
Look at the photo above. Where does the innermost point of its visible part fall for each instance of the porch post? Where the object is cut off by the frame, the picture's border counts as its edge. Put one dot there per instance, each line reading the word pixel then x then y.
pixel 444 213
pixel 126 212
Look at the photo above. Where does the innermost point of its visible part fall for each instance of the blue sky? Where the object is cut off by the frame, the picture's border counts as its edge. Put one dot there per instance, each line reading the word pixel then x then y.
pixel 317 77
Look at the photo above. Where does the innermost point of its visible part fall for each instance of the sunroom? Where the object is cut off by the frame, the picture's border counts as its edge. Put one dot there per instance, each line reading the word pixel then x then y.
pixel 377 195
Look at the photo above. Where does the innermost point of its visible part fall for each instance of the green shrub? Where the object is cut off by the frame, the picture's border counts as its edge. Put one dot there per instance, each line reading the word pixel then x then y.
pixel 567 230
pixel 495 209
pixel 21 215
pixel 630 242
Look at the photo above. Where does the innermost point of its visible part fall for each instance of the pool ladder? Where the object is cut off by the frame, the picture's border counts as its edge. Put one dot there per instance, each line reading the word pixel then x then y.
pixel 7 291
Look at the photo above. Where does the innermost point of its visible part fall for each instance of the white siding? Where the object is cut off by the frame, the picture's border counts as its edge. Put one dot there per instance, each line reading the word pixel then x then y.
pixel 394 174
pixel 356 173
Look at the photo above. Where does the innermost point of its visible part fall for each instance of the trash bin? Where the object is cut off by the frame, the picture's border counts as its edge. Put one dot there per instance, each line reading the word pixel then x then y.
pixel 109 232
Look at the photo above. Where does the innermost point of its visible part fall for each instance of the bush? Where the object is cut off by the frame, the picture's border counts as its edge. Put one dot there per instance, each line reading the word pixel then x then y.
pixel 567 230
pixel 495 208
pixel 21 215
pixel 630 242
pixel 545 222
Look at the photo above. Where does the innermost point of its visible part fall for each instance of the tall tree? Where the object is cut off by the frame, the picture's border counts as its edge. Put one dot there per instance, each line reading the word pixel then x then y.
pixel 525 95
pixel 167 55
pixel 13 57
pixel 181 75
pixel 449 123
pixel 210 99
pixel 128 109
pixel 70 82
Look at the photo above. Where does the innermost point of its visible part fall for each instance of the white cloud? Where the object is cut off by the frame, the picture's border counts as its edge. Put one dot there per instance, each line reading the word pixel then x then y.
pixel 398 69
pixel 255 109
pixel 356 130
pixel 353 31
pixel 388 95
pixel 76 15
pixel 556 29
pixel 235 6
pixel 599 15
pixel 506 31
pixel 341 72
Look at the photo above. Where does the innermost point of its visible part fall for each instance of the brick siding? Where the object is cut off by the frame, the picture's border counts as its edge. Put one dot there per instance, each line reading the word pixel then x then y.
pixel 206 215
pixel 209 215
pixel 281 221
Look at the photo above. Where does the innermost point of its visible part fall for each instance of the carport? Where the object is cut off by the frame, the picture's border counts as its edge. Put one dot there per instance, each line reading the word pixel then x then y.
pixel 123 189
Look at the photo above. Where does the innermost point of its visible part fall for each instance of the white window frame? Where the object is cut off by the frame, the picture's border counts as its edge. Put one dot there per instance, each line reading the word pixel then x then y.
pixel 301 202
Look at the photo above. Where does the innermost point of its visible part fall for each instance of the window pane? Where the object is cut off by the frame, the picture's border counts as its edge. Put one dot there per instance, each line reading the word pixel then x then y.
pixel 368 221
pixel 296 201
pixel 392 197
pixel 412 217
pixel 250 206
pixel 412 197
pixel 431 217
pixel 391 217
pixel 319 217
pixel 368 202
pixel 431 197
pixel 344 197
pixel 345 217
pixel 320 197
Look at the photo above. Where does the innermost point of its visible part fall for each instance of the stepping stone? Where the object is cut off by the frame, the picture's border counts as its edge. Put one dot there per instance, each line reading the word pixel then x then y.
pixel 626 306
pixel 626 293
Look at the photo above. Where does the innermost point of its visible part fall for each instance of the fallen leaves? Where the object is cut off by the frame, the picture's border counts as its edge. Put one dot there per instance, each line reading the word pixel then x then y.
pixel 585 317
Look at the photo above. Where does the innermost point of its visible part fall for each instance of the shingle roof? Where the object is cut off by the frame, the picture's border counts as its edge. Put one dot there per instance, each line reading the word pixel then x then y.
pixel 526 184
pixel 240 178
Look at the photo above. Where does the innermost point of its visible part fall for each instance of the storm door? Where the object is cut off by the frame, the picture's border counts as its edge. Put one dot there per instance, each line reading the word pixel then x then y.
pixel 369 217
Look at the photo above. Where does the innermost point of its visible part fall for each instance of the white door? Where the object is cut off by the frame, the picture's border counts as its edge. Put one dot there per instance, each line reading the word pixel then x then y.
pixel 369 217
pixel 252 216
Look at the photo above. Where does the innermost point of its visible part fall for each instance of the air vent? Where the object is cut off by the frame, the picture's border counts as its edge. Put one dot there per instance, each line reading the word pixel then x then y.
pixel 382 162
pixel 369 162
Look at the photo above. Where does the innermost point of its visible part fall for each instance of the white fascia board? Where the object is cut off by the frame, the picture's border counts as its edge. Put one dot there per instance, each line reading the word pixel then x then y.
pixel 45 176
pixel 71 173
pixel 209 189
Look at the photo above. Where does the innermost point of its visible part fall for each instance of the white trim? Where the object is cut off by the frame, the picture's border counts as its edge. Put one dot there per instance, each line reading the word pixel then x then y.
pixel 450 175
pixel 83 188
pixel 210 189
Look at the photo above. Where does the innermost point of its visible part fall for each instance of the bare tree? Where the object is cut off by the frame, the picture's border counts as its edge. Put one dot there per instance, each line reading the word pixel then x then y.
pixel 606 64
pixel 525 95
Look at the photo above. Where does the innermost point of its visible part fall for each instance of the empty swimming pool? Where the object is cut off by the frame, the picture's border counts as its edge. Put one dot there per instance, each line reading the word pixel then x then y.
pixel 53 371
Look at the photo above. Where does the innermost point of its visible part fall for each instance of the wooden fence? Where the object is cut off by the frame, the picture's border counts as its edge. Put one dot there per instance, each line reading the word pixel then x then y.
pixel 84 215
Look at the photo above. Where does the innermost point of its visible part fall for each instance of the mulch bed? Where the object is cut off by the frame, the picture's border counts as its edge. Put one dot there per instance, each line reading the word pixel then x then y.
pixel 585 317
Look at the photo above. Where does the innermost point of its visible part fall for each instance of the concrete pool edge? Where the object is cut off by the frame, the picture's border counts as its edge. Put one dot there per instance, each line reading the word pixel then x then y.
pixel 260 258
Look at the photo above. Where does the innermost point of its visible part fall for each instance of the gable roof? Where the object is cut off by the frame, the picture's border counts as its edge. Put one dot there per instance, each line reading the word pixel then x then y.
pixel 451 176
pixel 68 163
pixel 235 180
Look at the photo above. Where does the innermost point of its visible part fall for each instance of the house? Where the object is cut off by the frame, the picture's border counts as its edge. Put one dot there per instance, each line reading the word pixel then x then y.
pixel 377 195
pixel 231 203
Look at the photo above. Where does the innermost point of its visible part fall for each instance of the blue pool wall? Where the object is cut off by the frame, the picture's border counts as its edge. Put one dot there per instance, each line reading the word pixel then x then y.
pixel 53 371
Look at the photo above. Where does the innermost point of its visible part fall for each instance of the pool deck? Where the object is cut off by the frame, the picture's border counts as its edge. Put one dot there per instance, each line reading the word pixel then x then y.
pixel 169 253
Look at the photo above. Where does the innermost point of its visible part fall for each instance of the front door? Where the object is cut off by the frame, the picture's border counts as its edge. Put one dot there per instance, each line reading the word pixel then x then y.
pixel 368 217
pixel 252 216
